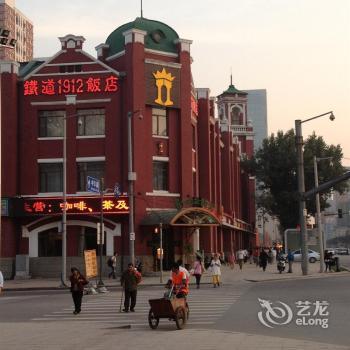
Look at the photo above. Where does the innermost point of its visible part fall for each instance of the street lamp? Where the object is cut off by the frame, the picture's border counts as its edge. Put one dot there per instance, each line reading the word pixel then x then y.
pixel 301 187
pixel 160 249
pixel 318 210
pixel 131 179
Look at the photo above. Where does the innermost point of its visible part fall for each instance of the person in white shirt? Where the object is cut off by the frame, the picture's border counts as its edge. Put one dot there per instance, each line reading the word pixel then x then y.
pixel 1 281
pixel 240 258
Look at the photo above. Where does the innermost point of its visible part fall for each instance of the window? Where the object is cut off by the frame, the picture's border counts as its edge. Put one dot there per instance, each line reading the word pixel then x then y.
pixel 50 177
pixel 160 176
pixel 91 122
pixel 235 113
pixel 159 122
pixel 85 169
pixel 51 123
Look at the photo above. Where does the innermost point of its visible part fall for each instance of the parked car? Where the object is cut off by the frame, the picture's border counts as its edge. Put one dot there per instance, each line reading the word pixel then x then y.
pixel 312 255
pixel 342 251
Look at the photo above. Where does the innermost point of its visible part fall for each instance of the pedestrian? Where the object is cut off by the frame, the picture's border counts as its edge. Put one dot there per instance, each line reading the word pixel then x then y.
pixel 1 281
pixel 290 258
pixel 77 282
pixel 256 256
pixel 198 270
pixel 112 264
pixel 179 281
pixel 129 281
pixel 231 260
pixel 240 258
pixel 250 254
pixel 270 256
pixel 139 265
pixel 263 258
pixel 328 260
pixel 215 267
pixel 183 269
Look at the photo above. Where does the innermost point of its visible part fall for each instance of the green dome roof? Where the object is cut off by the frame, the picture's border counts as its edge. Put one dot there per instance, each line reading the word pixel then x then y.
pixel 159 36
pixel 232 90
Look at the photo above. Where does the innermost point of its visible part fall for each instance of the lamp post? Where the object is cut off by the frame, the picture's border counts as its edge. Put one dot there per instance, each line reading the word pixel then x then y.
pixel 301 188
pixel 161 252
pixel 70 100
pixel 4 38
pixel 318 210
pixel 131 179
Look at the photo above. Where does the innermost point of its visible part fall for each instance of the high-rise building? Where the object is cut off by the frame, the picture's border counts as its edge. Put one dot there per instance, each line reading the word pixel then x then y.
pixel 257 113
pixel 20 29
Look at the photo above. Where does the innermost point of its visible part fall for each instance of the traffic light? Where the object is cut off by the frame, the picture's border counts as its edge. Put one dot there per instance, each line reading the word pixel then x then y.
pixel 340 213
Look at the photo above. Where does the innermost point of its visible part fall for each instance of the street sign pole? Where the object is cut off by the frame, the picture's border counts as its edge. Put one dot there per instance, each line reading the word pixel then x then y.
pixel 101 241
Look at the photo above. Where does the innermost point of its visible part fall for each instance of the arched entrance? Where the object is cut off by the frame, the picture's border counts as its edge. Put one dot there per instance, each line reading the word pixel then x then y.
pixel 43 231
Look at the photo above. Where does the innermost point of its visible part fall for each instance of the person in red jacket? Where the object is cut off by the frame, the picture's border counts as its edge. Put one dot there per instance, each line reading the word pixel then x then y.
pixel 77 281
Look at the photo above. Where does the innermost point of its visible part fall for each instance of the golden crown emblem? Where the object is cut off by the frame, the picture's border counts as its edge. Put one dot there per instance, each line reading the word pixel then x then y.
pixel 163 75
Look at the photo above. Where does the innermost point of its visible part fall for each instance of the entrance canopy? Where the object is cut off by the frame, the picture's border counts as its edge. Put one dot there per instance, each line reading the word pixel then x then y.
pixel 195 217
pixel 185 217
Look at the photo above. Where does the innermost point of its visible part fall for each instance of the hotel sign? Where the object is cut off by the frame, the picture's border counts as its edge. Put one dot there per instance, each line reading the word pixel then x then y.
pixel 54 87
pixel 75 205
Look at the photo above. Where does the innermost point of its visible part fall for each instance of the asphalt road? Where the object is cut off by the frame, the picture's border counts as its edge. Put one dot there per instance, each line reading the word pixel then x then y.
pixel 220 318
pixel 243 315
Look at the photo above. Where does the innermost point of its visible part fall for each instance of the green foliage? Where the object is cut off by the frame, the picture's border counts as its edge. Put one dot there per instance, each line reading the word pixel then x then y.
pixel 275 167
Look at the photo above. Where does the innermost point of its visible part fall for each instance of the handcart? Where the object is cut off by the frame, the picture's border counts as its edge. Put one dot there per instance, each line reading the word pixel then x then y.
pixel 172 308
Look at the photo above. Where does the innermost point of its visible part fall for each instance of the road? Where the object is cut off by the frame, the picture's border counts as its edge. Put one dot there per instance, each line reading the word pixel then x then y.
pixel 220 318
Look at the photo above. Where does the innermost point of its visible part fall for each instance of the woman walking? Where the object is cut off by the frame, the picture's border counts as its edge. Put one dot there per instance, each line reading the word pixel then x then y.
pixel 77 281
pixel 198 270
pixel 215 267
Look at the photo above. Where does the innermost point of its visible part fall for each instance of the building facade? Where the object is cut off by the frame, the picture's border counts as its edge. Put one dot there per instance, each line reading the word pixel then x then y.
pixel 20 33
pixel 132 119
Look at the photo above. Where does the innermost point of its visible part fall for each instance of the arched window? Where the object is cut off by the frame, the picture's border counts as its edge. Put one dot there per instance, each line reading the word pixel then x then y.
pixel 235 116
pixel 221 113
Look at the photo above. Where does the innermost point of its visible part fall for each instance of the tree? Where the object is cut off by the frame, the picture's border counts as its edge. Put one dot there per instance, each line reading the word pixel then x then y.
pixel 275 167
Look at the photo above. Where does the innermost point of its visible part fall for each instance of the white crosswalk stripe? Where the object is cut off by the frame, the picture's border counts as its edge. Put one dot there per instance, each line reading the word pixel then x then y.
pixel 206 307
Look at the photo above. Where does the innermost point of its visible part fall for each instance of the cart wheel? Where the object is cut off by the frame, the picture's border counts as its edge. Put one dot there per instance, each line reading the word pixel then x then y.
pixel 180 317
pixel 187 311
pixel 153 321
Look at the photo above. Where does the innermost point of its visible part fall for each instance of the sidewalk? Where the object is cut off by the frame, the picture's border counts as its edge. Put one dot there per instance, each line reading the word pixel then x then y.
pixel 249 273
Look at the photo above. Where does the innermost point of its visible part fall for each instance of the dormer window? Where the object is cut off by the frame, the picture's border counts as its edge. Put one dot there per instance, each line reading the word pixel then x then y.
pixel 157 36
pixel 72 42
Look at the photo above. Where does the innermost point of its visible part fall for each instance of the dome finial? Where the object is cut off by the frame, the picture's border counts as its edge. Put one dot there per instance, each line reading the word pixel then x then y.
pixel 231 75
pixel 141 10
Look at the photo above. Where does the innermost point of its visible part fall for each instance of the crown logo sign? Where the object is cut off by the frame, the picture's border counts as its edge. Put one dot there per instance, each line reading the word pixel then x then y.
pixel 163 75
pixel 163 79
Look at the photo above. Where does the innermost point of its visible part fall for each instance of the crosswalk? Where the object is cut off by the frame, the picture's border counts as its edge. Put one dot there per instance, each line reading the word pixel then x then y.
pixel 207 305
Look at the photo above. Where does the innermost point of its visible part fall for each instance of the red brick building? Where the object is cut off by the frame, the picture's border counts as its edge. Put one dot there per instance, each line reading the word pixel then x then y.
pixel 186 162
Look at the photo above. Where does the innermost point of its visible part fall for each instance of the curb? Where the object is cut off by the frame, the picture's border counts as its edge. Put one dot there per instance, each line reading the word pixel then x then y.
pixel 334 274
pixel 58 288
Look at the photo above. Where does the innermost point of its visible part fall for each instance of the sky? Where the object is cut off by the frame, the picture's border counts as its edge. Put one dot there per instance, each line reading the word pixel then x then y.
pixel 298 50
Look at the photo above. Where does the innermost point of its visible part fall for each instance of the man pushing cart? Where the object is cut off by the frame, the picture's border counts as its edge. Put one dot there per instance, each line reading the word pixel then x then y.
pixel 174 304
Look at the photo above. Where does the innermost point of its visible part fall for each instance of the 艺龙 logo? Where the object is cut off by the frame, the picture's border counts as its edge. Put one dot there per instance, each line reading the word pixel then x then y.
pixel 274 315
